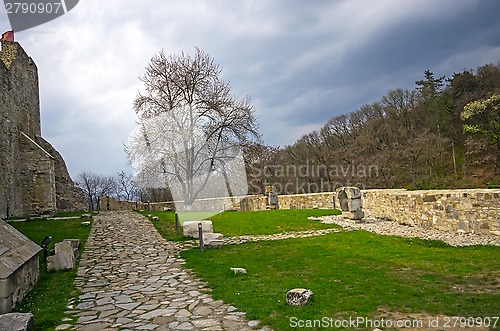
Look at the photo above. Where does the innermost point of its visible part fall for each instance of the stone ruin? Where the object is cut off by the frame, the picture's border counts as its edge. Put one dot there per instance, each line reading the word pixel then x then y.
pixel 348 200
pixel 34 179
pixel 298 296
pixel 210 239
pixel 19 267
pixel 66 254
pixel 271 197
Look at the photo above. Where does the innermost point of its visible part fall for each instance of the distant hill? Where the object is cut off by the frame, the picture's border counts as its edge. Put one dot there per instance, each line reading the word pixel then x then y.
pixel 409 139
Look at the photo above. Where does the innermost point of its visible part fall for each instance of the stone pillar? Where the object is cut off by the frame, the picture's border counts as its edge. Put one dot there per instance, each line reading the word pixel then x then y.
pixel 349 202
pixel 271 197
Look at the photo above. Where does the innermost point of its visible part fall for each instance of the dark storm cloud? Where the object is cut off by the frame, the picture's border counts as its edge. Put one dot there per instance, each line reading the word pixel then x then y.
pixel 301 62
pixel 397 55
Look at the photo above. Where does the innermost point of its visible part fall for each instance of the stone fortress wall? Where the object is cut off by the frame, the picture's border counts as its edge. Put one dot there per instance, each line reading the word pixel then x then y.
pixel 466 210
pixel 33 176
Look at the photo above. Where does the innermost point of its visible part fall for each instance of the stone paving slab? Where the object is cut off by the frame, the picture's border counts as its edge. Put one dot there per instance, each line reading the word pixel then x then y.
pixel 132 279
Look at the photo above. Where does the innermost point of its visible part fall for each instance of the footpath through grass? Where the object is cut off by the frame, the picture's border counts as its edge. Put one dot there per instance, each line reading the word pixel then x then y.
pixel 352 274
pixel 232 223
pixel 49 299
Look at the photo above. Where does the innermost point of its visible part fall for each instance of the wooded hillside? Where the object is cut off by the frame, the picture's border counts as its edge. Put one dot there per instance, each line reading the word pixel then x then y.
pixel 415 139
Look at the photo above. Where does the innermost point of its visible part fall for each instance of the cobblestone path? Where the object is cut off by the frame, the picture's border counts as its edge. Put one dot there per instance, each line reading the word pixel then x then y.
pixel 132 279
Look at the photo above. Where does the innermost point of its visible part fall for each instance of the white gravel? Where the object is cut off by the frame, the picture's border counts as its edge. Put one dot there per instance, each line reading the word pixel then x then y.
pixel 392 228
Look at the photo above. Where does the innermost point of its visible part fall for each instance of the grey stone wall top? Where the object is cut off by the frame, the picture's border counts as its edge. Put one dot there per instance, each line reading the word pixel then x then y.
pixel 15 249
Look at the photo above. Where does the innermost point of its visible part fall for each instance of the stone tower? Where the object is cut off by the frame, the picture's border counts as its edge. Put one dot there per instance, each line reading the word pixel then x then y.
pixel 33 176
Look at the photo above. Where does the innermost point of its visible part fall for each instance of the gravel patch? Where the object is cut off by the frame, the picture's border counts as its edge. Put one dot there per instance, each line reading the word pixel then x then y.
pixel 391 228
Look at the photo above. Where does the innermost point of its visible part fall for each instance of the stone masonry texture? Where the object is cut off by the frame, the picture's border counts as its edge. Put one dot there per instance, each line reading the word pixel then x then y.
pixel 33 176
pixel 19 270
pixel 132 279
pixel 459 211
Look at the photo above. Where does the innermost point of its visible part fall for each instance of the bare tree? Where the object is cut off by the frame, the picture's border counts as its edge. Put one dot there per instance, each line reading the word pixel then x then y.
pixel 88 182
pixel 191 128
pixel 95 186
pixel 126 187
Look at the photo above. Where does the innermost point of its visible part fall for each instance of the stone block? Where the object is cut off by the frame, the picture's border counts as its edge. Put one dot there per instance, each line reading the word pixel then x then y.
pixel 239 270
pixel 429 198
pixel 190 228
pixel 354 204
pixel 353 215
pixel 215 244
pixel 298 297
pixel 64 257
pixel 18 266
pixel 6 304
pixel 208 237
pixel 75 244
pixel 17 322
pixel 352 192
pixel 7 287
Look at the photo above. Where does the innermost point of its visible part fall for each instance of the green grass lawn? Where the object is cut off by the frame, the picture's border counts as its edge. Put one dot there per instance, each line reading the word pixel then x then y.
pixel 49 299
pixel 232 223
pixel 352 274
pixel 267 222
pixel 165 224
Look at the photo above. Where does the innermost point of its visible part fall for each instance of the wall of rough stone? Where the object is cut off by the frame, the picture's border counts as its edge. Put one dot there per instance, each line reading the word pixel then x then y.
pixel 108 203
pixel 213 204
pixel 68 196
pixel 253 202
pixel 33 176
pixel 306 201
pixel 19 106
pixel 20 283
pixel 36 178
pixel 20 97
pixel 470 210
pixel 19 269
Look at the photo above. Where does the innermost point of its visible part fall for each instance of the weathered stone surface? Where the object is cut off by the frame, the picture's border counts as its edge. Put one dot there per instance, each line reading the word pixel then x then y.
pixel 207 237
pixel 68 196
pixel 391 228
pixel 466 210
pixel 298 296
pixel 64 257
pixel 17 322
pixel 215 244
pixel 253 324
pixel 353 215
pixel 271 195
pixel 459 211
pixel 33 176
pixel 75 244
pixel 18 266
pixel 190 228
pixel 239 270
pixel 348 199
pixel 132 279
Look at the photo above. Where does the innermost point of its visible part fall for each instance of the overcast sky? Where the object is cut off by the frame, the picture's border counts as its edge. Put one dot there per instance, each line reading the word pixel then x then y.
pixel 301 62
